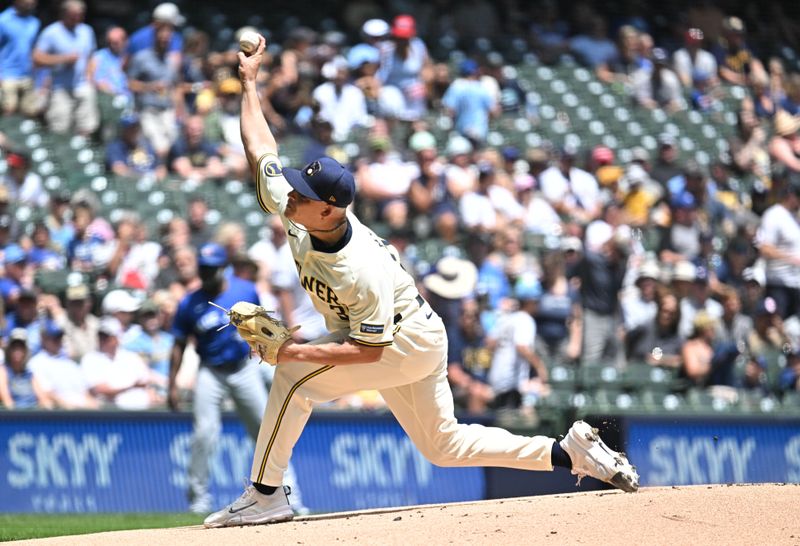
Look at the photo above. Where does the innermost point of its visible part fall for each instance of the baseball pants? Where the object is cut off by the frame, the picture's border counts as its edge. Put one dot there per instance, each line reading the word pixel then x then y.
pixel 246 388
pixel 412 378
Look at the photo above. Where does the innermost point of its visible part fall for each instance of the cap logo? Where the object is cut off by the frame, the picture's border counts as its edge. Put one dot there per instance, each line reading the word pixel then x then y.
pixel 313 168
pixel 332 199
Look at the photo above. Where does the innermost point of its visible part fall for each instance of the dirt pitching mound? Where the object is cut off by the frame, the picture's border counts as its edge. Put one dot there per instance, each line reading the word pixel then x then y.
pixel 719 514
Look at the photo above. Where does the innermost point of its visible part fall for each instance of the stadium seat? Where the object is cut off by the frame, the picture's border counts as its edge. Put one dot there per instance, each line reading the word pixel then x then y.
pixel 600 377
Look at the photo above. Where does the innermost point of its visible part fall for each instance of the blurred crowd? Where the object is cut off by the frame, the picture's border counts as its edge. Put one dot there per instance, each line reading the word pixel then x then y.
pixel 535 258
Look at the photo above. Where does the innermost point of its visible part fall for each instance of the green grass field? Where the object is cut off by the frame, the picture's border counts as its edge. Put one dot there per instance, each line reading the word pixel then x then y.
pixel 25 526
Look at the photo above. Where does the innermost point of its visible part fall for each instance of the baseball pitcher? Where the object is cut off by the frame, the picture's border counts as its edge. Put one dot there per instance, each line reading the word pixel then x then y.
pixel 386 337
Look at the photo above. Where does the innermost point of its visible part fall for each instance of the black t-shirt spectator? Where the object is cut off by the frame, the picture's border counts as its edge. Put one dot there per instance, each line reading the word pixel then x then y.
pixel 601 280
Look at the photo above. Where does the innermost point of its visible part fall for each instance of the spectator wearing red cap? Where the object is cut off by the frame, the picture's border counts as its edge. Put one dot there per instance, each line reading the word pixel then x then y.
pixel 24 187
pixel 692 57
pixel 404 72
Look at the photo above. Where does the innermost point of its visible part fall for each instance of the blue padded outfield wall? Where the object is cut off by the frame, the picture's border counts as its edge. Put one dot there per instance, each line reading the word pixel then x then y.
pixel 136 462
pixel 96 462
pixel 706 451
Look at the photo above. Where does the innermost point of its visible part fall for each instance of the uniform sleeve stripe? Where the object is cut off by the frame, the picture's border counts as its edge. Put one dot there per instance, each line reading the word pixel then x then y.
pixel 368 344
pixel 259 182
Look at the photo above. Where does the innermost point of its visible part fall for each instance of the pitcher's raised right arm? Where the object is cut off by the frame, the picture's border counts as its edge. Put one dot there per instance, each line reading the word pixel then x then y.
pixel 256 135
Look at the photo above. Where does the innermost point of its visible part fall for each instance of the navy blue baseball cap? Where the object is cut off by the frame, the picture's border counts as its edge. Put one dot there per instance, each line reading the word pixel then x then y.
pixel 212 255
pixel 323 180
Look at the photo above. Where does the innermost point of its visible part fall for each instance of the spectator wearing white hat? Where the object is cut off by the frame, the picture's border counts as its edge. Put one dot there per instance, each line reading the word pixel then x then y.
pixel 115 375
pixel 753 289
pixel 165 15
pixel 373 32
pixel 122 306
pixel 340 102
pixel 428 195
pixel 639 305
pixel 460 175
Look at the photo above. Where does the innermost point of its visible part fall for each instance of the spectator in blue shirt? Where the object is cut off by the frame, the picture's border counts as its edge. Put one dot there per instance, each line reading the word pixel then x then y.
pixel 15 261
pixel 18 29
pixel 152 342
pixel 594 49
pixel 18 387
pixel 791 102
pixel 194 157
pixel 86 251
pixel 225 364
pixel 153 78
pixel 44 254
pixel 470 103
pixel 25 317
pixel 106 67
pixel 131 154
pixel 168 16
pixel 65 48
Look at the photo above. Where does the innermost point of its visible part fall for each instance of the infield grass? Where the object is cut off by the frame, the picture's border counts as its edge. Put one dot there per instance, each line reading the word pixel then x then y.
pixel 26 526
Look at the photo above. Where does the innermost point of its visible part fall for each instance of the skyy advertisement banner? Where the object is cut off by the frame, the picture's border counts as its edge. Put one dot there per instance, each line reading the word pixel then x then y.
pixel 92 462
pixel 698 451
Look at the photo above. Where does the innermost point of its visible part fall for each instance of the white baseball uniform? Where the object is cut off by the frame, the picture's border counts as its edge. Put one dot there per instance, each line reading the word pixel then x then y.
pixel 364 294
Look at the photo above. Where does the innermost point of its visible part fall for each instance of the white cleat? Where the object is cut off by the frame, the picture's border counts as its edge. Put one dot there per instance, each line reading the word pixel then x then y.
pixel 253 508
pixel 592 457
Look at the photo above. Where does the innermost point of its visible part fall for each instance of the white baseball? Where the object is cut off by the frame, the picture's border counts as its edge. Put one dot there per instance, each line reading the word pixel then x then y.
pixel 248 42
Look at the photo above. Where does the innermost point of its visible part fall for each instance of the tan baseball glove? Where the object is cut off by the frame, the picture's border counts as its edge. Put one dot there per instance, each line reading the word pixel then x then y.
pixel 262 332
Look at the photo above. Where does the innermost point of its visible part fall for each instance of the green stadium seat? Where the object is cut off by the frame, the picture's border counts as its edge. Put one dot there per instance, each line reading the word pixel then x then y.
pixel 600 377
